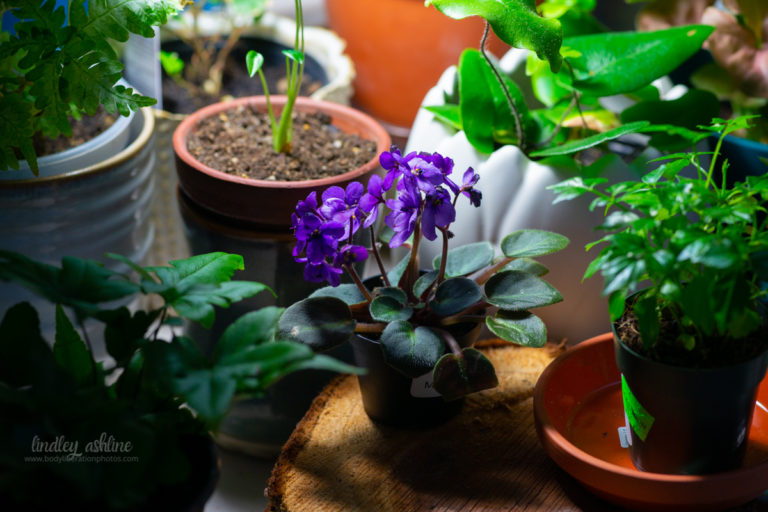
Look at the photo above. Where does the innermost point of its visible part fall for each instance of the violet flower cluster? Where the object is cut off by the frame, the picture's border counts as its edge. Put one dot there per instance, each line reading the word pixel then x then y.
pixel 424 203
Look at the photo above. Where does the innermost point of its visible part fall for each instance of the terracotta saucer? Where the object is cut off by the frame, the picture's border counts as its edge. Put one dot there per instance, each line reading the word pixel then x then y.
pixel 577 405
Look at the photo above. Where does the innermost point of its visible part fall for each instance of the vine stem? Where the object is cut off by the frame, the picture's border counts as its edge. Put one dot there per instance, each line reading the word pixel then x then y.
pixel 507 95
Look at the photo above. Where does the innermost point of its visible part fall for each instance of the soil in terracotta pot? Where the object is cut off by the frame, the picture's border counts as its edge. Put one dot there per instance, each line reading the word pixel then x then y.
pixel 711 352
pixel 83 130
pixel 239 142
pixel 181 98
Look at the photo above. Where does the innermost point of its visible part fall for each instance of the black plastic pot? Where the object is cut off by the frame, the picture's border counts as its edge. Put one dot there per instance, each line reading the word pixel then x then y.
pixel 388 395
pixel 687 420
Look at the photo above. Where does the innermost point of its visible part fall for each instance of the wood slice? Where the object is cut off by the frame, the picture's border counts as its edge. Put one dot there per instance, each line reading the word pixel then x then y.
pixel 487 458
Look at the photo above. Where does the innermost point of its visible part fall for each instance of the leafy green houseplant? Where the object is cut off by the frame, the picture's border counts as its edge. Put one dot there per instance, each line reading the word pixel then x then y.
pixel 569 124
pixel 693 249
pixel 417 317
pixel 113 432
pixel 58 65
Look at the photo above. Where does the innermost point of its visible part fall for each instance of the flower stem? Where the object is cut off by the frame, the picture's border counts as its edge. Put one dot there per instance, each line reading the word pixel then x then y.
pixel 443 257
pixel 411 271
pixel 451 342
pixel 377 255
pixel 487 273
pixel 507 95
pixel 356 278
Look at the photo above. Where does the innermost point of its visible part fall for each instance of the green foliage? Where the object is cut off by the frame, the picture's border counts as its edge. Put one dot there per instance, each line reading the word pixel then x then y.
pixel 698 243
pixel 55 64
pixel 282 129
pixel 152 393
pixel 491 110
pixel 421 322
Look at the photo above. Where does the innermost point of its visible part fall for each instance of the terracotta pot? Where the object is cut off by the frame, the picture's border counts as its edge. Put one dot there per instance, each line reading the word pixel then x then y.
pixel 400 48
pixel 267 204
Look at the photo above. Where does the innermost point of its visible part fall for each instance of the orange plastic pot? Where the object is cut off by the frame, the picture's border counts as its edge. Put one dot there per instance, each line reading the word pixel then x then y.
pixel 265 204
pixel 400 48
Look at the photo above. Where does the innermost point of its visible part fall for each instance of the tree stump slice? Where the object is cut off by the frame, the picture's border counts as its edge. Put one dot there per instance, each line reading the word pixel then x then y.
pixel 487 458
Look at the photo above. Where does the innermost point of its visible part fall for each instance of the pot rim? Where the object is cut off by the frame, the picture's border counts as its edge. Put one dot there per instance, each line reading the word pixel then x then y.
pixel 302 104
pixel 594 471
pixel 139 142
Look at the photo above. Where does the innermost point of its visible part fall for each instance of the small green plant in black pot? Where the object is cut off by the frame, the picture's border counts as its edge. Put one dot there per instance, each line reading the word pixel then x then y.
pixel 129 430
pixel 421 319
pixel 685 263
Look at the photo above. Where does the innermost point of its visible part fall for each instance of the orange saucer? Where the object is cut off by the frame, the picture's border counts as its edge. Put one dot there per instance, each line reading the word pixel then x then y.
pixel 578 410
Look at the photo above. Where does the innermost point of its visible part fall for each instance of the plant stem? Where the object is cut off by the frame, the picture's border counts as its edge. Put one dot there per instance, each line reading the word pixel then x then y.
pixel 412 270
pixel 370 327
pixel 443 256
pixel 217 68
pixel 507 95
pixel 378 258
pixel 715 154
pixel 451 342
pixel 487 273
pixel 270 112
pixel 559 125
pixel 356 278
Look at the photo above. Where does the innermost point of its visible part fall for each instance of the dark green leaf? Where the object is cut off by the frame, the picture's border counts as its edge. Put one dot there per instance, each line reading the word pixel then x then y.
pixel 476 101
pixel 526 265
pixel 124 331
pixel 518 291
pixel 424 282
pixel 388 309
pixel 455 295
pixel 396 273
pixel 522 328
pixel 647 320
pixel 616 63
pixel 466 259
pixel 448 114
pixel 516 22
pixel 593 140
pixel 529 243
pixel 25 357
pixel 197 302
pixel 411 351
pixel 254 328
pixel 70 350
pixel 696 299
pixel 347 292
pixel 319 322
pixel 458 375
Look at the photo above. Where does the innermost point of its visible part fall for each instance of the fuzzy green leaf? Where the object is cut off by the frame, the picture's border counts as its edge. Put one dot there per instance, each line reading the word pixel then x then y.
pixel 347 292
pixel 466 259
pixel 455 295
pixel 411 351
pixel 518 291
pixel 529 243
pixel 388 309
pixel 424 282
pixel 522 328
pixel 458 375
pixel 319 322
pixel 527 265
pixel 516 22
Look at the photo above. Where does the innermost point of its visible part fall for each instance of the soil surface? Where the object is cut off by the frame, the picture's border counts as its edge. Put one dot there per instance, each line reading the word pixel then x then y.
pixel 83 130
pixel 239 142
pixel 710 352
pixel 180 98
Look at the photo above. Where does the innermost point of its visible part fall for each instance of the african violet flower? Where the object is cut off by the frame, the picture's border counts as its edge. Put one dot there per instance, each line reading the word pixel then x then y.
pixel 417 317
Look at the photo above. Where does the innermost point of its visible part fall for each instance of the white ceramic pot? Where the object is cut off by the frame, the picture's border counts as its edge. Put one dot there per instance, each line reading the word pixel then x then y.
pixel 515 197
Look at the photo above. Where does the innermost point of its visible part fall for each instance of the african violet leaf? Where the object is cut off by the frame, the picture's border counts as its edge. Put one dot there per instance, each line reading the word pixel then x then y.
pixel 424 282
pixel 347 292
pixel 396 272
pixel 522 328
pixel 526 265
pixel 458 375
pixel 516 22
pixel 529 243
pixel 319 322
pixel 518 291
pixel 388 309
pixel 70 350
pixel 455 295
pixel 593 140
pixel 466 259
pixel 617 62
pixel 411 351
pixel 79 283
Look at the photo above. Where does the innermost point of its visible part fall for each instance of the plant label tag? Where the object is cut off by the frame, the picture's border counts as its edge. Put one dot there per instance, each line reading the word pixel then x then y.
pixel 421 387
pixel 624 438
pixel 639 419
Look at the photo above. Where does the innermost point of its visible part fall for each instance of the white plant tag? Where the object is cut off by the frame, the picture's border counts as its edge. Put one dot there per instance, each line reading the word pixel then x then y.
pixel 624 438
pixel 421 387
